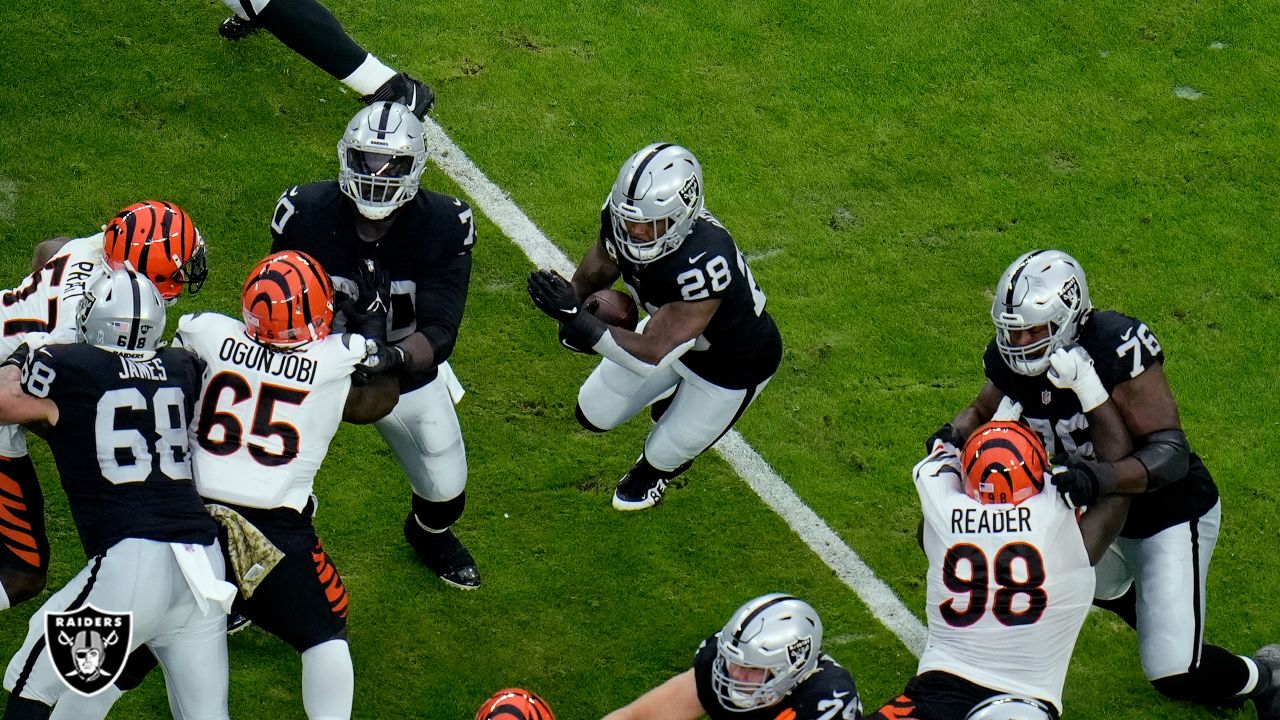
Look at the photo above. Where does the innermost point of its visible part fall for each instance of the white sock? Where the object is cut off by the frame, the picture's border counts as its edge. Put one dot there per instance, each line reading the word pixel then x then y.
pixel 369 76
pixel 1252 683
pixel 328 681
pixel 4 598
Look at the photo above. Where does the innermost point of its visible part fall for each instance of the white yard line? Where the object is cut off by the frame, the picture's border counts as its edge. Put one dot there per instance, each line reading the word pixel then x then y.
pixel 763 479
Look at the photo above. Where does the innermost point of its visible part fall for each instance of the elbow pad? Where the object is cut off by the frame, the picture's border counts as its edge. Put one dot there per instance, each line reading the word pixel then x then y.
pixel 1166 456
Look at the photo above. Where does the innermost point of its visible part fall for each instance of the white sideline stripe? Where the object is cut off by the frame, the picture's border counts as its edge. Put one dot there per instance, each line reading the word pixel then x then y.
pixel 763 479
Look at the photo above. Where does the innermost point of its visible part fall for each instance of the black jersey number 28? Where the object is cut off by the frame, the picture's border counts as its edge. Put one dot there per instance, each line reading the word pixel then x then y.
pixel 977 584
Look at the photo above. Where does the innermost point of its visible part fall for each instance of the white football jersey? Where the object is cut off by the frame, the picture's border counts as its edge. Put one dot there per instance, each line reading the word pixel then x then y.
pixel 265 417
pixel 48 298
pixel 1009 585
pixel 46 301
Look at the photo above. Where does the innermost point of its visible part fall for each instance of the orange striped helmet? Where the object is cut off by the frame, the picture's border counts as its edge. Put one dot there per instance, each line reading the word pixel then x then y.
pixel 159 240
pixel 288 300
pixel 514 704
pixel 1004 462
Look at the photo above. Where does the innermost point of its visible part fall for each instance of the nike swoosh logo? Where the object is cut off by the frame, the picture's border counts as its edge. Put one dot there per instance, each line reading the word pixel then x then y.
pixel 838 695
pixel 571 312
pixel 693 260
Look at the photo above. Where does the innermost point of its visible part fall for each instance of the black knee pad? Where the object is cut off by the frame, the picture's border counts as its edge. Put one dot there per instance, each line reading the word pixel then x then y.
pixel 437 515
pixel 584 422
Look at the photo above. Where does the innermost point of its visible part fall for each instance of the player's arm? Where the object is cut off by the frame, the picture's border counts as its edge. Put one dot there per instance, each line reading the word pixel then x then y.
pixel 46 250
pixel 675 699
pixel 16 406
pixel 441 297
pixel 370 403
pixel 596 272
pixel 1161 454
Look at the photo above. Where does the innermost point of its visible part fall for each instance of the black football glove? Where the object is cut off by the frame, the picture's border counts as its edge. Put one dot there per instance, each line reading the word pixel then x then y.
pixel 18 357
pixel 1082 481
pixel 380 359
pixel 947 434
pixel 367 310
pixel 553 295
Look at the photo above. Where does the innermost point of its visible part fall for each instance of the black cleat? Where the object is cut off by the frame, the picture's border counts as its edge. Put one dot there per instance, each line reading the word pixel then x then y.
pixel 1266 696
pixel 237 28
pixel 406 90
pixel 444 554
pixel 635 491
pixel 237 622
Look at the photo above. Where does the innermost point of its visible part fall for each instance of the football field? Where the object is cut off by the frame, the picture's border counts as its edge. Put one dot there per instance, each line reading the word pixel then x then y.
pixel 879 164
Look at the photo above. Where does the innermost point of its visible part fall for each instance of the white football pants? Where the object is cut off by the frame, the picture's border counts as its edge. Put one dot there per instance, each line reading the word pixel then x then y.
pixel 423 431
pixel 141 576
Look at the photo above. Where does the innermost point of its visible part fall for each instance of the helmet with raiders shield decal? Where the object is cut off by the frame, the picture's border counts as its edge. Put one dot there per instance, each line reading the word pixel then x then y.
pixel 1043 291
pixel 1009 707
pixel 161 242
pixel 514 704
pixel 655 201
pixel 769 646
pixel 121 311
pixel 1004 462
pixel 381 157
pixel 287 300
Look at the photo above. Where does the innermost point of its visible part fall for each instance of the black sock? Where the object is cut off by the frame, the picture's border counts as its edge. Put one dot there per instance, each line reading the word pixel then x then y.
pixel 309 29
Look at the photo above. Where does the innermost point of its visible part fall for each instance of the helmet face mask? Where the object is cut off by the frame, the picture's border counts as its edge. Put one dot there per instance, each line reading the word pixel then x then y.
pixel 658 189
pixel 121 311
pixel 1009 707
pixel 1043 291
pixel 767 648
pixel 381 158
pixel 287 301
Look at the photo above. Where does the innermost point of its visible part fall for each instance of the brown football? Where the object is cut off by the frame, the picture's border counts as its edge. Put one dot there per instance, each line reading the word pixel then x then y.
pixel 614 308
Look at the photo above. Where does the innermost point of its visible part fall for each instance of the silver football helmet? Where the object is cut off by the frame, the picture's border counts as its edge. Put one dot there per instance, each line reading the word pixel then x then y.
pixel 768 647
pixel 1043 288
pixel 381 157
pixel 659 186
pixel 121 311
pixel 1009 707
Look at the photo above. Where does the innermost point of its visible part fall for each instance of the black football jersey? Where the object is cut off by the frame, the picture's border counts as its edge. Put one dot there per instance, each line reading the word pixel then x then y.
pixel 827 694
pixel 1122 348
pixel 121 442
pixel 740 347
pixel 427 252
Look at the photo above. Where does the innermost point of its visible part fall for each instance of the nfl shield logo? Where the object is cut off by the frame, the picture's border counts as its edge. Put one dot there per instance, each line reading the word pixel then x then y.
pixel 88 646
pixel 1046 397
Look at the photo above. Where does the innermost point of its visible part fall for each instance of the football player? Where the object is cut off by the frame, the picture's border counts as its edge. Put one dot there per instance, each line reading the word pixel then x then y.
pixel 1059 358
pixel 707 348
pixel 115 407
pixel 1010 575
pixel 275 388
pixel 309 29
pixel 766 663
pixel 376 211
pixel 156 238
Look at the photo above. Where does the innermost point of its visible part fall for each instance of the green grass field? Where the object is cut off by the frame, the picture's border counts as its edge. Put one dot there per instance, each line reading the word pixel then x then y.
pixel 878 162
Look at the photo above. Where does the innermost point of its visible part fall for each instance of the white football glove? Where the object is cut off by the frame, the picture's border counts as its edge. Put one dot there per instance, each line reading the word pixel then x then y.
pixel 1072 368
pixel 1009 411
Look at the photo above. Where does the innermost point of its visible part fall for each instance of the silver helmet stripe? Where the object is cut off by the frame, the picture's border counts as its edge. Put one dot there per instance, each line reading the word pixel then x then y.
pixel 639 171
